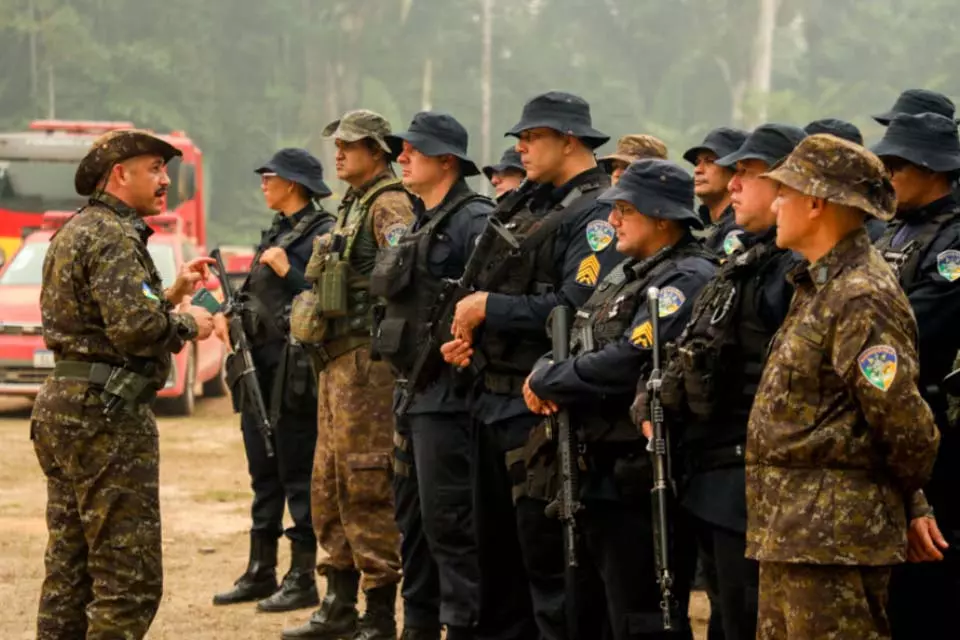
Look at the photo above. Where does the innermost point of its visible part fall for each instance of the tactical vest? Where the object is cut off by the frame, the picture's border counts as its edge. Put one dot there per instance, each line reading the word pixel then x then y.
pixel 905 261
pixel 510 355
pixel 265 297
pixel 402 277
pixel 344 285
pixel 604 319
pixel 714 368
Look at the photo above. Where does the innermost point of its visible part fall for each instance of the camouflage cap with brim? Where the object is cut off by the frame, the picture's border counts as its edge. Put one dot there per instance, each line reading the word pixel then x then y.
pixel 839 171
pixel 635 147
pixel 114 147
pixel 360 124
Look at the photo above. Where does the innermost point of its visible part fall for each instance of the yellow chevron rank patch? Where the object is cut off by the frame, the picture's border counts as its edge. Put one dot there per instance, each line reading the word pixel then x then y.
pixel 642 335
pixel 589 271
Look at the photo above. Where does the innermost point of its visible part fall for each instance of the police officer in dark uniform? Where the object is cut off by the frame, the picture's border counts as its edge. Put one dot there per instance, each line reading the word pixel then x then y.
pixel 710 182
pixel 917 101
pixel 507 174
pixel 922 244
pixel 563 249
pixel 434 461
pixel 713 371
pixel 610 350
pixel 290 181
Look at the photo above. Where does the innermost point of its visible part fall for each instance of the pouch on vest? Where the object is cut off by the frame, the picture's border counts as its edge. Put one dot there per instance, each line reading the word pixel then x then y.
pixel 307 324
pixel 388 338
pixel 333 289
pixel 299 382
pixel 702 375
pixel 393 271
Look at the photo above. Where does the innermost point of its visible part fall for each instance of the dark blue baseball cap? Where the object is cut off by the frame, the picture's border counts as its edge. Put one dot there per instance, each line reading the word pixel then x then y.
pixel 509 160
pixel 839 128
pixel 435 133
pixel 563 112
pixel 928 140
pixel 770 143
pixel 722 141
pixel 917 101
pixel 657 189
pixel 300 166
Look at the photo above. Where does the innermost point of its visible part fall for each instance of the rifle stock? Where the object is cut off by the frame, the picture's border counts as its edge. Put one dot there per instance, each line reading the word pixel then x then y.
pixel 241 349
pixel 662 491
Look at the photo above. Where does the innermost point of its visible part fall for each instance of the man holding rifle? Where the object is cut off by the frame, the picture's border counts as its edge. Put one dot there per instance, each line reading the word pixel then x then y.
pixel 611 348
pixel 433 456
pixel 290 182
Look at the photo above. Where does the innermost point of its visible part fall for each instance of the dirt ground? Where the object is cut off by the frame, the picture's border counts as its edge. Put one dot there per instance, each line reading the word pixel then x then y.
pixel 205 498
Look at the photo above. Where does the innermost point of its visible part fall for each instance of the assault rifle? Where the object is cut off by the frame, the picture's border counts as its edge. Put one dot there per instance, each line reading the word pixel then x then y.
pixel 567 503
pixel 242 369
pixel 441 315
pixel 663 490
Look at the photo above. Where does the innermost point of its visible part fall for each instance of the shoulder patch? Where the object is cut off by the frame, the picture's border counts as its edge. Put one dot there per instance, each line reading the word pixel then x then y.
pixel 732 242
pixel 948 264
pixel 642 335
pixel 589 270
pixel 148 292
pixel 671 299
pixel 879 366
pixel 393 233
pixel 600 234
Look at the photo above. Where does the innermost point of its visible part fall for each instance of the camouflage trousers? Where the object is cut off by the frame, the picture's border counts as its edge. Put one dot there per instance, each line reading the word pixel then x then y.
pixel 351 493
pixel 822 602
pixel 104 575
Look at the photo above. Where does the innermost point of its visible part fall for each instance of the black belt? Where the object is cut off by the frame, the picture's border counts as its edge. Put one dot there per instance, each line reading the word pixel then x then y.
pixel 710 459
pixel 97 374
pixel 504 383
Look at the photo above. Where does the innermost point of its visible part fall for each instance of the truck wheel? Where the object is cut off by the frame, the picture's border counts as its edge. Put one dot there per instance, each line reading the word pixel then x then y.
pixel 183 404
pixel 216 387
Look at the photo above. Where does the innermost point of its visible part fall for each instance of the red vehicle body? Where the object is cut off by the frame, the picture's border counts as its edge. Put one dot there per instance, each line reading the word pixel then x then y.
pixel 24 360
pixel 36 176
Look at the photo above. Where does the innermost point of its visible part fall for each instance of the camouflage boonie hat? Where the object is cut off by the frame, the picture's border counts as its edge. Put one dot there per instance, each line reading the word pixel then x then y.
pixel 837 170
pixel 115 147
pixel 635 147
pixel 360 124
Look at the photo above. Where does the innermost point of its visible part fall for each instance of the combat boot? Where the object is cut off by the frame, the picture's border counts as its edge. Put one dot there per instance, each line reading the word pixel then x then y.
pixel 413 633
pixel 379 621
pixel 336 619
pixel 260 578
pixel 298 590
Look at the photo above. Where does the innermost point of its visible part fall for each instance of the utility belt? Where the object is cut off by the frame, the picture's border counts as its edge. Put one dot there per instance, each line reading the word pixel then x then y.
pixel 121 388
pixel 703 460
pixel 323 354
pixel 505 384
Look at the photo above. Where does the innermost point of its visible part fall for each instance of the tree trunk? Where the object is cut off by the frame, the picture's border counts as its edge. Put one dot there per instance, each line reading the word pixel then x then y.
pixel 486 87
pixel 762 70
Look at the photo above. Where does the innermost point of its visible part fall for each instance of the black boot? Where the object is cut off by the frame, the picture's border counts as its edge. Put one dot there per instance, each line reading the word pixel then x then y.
pixel 299 588
pixel 379 621
pixel 336 619
pixel 416 633
pixel 260 578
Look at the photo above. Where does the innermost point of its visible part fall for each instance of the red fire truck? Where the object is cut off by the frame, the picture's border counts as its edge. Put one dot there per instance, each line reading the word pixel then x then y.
pixel 36 176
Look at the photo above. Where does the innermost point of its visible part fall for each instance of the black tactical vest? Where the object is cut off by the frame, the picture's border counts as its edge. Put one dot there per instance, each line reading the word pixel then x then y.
pixel 607 315
pixel 402 277
pixel 906 260
pixel 265 297
pixel 510 355
pixel 714 368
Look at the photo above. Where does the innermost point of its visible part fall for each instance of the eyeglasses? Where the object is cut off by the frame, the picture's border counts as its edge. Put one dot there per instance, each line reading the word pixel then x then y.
pixel 266 176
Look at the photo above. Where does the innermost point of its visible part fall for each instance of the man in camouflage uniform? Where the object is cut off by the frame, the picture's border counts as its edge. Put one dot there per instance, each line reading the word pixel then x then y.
pixel 631 148
pixel 839 436
pixel 351 494
pixel 112 328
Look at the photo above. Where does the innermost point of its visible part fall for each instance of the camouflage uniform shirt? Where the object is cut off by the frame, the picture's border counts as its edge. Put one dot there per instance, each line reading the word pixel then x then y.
pixel 839 435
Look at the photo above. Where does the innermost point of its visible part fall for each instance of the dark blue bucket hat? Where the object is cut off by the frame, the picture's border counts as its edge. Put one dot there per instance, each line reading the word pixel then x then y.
pixel 434 133
pixel 509 160
pixel 722 141
pixel 300 166
pixel 658 189
pixel 917 101
pixel 839 128
pixel 770 143
pixel 927 140
pixel 562 112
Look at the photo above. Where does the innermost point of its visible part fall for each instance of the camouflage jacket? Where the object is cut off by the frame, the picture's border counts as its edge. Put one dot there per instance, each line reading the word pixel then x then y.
pixel 839 436
pixel 102 299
